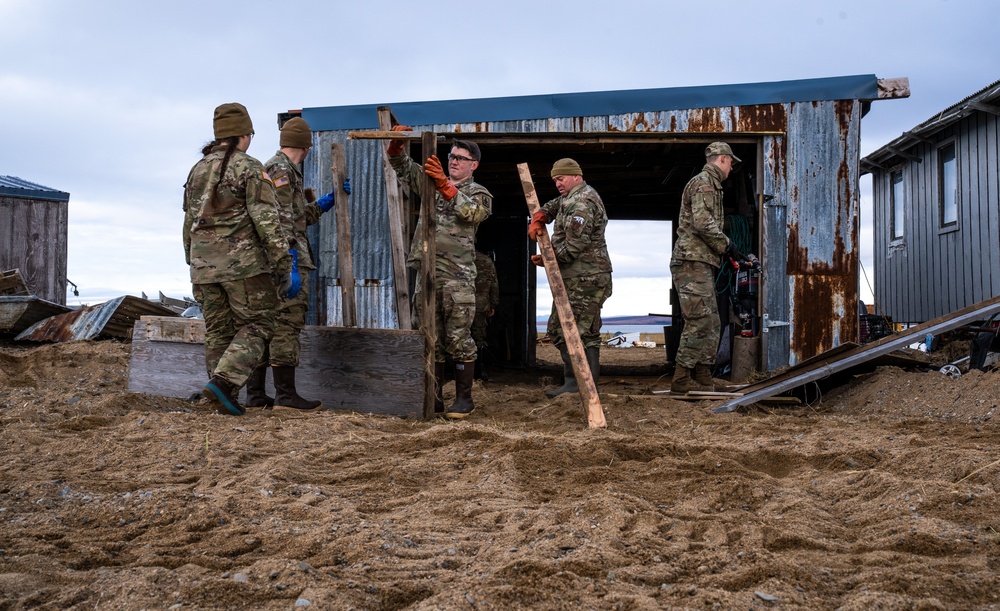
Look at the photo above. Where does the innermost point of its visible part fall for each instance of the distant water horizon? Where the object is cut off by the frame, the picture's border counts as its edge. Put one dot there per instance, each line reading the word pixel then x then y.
pixel 625 324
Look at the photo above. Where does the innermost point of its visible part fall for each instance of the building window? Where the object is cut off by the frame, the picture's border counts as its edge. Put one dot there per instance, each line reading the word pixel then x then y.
pixel 948 185
pixel 897 203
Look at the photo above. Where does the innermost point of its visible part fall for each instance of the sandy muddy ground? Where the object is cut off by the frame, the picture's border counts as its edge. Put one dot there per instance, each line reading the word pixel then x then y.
pixel 883 495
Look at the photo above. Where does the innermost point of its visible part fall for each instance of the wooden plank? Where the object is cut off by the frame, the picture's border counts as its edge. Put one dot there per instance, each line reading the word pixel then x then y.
pixel 345 248
pixel 893 88
pixel 173 329
pixel 374 371
pixel 11 283
pixel 397 222
pixel 428 273
pixel 574 345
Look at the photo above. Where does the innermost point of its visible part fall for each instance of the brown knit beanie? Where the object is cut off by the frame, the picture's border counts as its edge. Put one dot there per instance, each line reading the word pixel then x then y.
pixel 566 167
pixel 232 119
pixel 295 133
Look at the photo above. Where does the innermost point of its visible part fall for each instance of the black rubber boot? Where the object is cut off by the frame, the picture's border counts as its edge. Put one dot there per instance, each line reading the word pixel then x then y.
pixel 223 394
pixel 256 393
pixel 285 394
pixel 463 405
pixel 569 383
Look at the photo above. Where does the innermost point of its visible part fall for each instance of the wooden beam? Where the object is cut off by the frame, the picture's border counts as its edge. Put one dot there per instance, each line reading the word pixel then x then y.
pixel 983 106
pixel 428 273
pixel 397 221
pixel 345 248
pixel 897 151
pixel 574 345
pixel 893 88
pixel 388 134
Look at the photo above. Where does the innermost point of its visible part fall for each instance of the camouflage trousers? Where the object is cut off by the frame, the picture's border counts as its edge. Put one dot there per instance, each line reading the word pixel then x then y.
pixel 695 284
pixel 587 295
pixel 479 324
pixel 239 323
pixel 456 308
pixel 289 321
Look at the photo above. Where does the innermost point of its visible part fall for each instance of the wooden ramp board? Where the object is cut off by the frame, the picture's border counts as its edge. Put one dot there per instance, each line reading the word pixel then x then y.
pixel 848 357
pixel 376 371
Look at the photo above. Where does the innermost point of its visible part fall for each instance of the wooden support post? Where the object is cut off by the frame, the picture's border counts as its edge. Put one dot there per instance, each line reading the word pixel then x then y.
pixel 397 224
pixel 428 283
pixel 578 356
pixel 345 249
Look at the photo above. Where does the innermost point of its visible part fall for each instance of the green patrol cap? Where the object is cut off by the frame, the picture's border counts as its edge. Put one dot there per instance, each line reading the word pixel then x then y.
pixel 721 148
pixel 232 119
pixel 296 133
pixel 566 167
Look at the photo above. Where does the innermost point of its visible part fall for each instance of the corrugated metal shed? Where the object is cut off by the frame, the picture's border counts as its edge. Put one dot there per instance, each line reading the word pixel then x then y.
pixel 13 186
pixel 799 141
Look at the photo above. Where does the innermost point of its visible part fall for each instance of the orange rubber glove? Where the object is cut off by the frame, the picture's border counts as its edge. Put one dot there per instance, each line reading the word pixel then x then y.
pixel 537 260
pixel 537 225
pixel 432 167
pixel 396 146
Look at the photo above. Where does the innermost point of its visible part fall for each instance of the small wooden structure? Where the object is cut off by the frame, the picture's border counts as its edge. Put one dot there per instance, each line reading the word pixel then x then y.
pixel 936 192
pixel 33 228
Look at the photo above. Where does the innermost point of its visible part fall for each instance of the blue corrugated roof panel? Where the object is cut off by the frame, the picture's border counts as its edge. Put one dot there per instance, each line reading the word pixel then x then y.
pixel 365 116
pixel 16 187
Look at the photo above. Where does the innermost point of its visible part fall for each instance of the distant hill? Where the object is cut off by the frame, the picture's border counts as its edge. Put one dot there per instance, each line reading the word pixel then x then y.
pixel 621 320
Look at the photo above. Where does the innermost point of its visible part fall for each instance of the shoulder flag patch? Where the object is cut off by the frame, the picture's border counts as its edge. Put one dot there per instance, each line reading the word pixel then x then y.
pixel 264 175
pixel 281 182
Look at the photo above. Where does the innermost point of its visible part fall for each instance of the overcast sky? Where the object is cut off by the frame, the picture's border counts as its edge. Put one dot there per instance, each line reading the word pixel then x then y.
pixel 111 101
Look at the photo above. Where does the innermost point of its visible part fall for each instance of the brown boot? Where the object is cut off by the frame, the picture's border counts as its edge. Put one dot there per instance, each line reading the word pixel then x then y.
pixel 683 383
pixel 463 405
pixel 285 394
pixel 256 394
pixel 703 376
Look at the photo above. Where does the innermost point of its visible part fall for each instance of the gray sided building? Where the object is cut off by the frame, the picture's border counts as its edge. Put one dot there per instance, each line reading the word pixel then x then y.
pixel 795 196
pixel 936 195
pixel 33 236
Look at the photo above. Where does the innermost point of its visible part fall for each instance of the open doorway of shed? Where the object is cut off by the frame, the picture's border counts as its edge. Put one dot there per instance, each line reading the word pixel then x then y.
pixel 640 178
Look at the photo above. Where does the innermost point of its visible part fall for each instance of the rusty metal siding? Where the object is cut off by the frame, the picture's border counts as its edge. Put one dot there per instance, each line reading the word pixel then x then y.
pixel 775 330
pixel 823 228
pixel 374 305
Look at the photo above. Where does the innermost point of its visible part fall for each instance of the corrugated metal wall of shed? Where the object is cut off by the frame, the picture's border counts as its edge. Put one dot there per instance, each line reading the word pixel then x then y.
pixel 33 238
pixel 823 225
pixel 369 227
pixel 932 271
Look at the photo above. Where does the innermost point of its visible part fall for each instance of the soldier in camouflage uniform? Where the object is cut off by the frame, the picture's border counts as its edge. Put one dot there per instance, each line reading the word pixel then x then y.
pixel 487 299
pixel 582 252
pixel 460 205
pixel 694 263
pixel 296 214
pixel 235 246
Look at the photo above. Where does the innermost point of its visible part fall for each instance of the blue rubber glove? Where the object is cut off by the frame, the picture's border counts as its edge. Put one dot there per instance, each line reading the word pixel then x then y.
pixel 327 201
pixel 291 284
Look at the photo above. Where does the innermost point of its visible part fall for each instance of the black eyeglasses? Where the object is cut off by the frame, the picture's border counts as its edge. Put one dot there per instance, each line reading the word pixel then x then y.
pixel 459 157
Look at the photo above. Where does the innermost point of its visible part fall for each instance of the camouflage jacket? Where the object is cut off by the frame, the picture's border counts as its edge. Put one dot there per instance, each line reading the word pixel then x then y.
pixel 240 236
pixel 578 232
pixel 295 212
pixel 699 228
pixel 487 287
pixel 457 221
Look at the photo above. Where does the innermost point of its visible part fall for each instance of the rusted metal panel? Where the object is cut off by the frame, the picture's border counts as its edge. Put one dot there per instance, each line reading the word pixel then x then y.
pixel 374 300
pixel 113 318
pixel 18 312
pixel 823 228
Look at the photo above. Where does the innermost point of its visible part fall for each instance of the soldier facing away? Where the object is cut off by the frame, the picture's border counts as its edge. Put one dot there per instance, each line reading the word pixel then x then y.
pixel 239 256
pixel 487 299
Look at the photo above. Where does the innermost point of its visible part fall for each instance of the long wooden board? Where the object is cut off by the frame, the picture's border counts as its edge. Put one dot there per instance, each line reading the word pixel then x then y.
pixel 574 345
pixel 345 247
pixel 377 371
